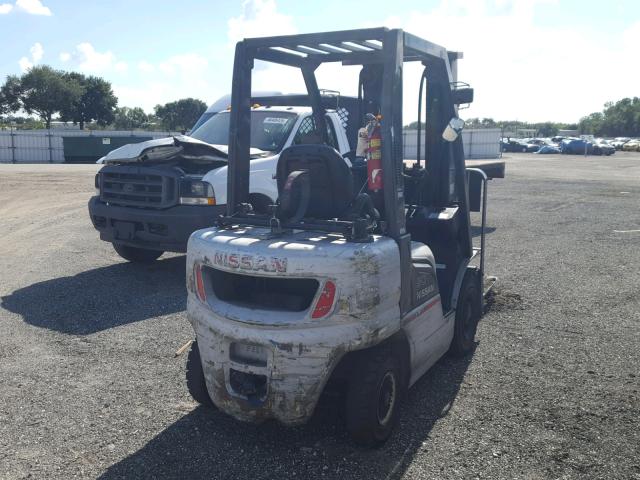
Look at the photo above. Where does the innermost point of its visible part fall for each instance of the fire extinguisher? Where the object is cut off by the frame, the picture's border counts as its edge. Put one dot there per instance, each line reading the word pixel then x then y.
pixel 374 154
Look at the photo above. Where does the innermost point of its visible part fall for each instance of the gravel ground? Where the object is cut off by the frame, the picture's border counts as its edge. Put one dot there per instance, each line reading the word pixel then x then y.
pixel 90 386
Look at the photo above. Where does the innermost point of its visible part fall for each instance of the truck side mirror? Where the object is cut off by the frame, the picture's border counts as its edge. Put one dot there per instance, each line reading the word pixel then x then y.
pixel 453 129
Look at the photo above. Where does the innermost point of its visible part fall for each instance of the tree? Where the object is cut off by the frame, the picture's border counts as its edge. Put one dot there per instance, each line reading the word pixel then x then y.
pixel 592 124
pixel 42 91
pixel 130 118
pixel 180 115
pixel 96 102
pixel 10 95
pixel 621 118
pixel 21 123
pixel 4 104
pixel 547 129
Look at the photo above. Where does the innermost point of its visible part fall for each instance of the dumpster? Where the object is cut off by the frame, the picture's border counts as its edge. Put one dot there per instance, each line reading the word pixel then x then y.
pixel 91 148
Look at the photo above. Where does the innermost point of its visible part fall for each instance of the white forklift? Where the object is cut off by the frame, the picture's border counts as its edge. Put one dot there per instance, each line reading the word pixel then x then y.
pixel 363 274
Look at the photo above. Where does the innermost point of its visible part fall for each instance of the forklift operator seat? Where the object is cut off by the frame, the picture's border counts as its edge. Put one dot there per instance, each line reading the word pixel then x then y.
pixel 330 178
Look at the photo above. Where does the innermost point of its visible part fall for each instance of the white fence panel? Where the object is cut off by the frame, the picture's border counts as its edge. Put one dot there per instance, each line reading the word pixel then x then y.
pixel 38 146
pixel 32 155
pixel 480 143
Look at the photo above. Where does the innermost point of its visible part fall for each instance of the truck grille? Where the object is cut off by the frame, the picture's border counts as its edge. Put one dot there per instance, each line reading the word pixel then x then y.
pixel 136 189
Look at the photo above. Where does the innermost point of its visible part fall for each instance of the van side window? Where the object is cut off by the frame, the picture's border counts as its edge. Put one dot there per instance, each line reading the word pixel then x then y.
pixel 308 133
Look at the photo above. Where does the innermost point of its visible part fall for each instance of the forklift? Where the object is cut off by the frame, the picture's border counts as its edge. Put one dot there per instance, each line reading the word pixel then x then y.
pixel 363 274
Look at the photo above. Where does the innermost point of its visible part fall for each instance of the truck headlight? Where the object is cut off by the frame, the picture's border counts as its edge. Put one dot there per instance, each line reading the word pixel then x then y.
pixel 96 182
pixel 196 192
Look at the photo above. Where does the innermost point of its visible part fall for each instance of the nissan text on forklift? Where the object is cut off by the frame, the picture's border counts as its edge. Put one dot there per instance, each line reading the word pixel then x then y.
pixel 363 274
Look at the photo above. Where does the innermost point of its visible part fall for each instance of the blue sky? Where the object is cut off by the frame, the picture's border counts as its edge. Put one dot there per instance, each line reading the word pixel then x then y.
pixel 528 59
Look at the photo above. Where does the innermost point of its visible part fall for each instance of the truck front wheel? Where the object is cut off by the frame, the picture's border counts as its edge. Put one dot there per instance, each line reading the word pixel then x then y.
pixel 373 397
pixel 138 255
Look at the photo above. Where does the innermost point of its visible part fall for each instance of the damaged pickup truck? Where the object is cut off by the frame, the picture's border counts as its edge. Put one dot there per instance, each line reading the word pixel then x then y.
pixel 152 195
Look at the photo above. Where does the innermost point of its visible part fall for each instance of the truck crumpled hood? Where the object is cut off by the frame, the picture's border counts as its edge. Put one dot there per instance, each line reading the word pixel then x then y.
pixel 166 149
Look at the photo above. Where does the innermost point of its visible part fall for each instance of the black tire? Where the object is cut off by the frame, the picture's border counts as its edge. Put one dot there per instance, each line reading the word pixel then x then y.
pixel 195 377
pixel 137 255
pixel 524 149
pixel 468 312
pixel 374 394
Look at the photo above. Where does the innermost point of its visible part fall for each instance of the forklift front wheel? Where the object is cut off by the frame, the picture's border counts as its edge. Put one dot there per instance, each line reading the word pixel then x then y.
pixel 195 377
pixel 373 397
pixel 468 313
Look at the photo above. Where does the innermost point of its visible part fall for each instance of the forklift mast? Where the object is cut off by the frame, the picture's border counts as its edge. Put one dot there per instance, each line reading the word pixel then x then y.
pixel 382 52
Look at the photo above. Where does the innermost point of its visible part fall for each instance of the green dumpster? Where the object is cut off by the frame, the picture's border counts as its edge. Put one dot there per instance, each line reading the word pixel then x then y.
pixel 92 148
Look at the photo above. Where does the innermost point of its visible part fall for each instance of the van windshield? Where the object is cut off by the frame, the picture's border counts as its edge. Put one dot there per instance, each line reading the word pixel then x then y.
pixel 269 130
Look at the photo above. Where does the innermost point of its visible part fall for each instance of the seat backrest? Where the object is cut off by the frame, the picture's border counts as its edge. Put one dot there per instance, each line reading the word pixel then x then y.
pixel 330 178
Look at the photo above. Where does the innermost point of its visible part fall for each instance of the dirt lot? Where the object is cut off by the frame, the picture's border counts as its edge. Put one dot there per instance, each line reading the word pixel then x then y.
pixel 89 386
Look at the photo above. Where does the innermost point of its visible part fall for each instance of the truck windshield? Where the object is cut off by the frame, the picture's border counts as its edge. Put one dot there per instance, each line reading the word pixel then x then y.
pixel 205 116
pixel 269 130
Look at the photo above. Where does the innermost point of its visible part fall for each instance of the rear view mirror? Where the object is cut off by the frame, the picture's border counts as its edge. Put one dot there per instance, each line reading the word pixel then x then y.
pixel 462 95
pixel 453 130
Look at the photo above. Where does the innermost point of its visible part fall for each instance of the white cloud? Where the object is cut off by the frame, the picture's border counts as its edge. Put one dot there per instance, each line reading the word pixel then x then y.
pixel 25 64
pixel 5 8
pixel 207 77
pixel 36 51
pixel 87 59
pixel 184 65
pixel 33 7
pixel 521 69
pixel 631 36
pixel 184 75
pixel 146 67
pixel 259 18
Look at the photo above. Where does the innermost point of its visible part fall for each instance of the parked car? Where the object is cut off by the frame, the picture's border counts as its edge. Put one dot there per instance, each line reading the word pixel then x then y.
pixel 531 145
pixel 518 145
pixel 576 146
pixel 535 141
pixel 632 146
pixel 602 147
pixel 619 142
pixel 548 149
pixel 512 145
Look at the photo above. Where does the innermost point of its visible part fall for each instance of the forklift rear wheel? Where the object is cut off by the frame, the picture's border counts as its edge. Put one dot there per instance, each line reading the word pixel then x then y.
pixel 138 255
pixel 373 397
pixel 195 377
pixel 467 316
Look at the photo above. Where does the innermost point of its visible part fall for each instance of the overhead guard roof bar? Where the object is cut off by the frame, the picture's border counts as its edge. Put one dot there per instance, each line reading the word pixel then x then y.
pixel 348 46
